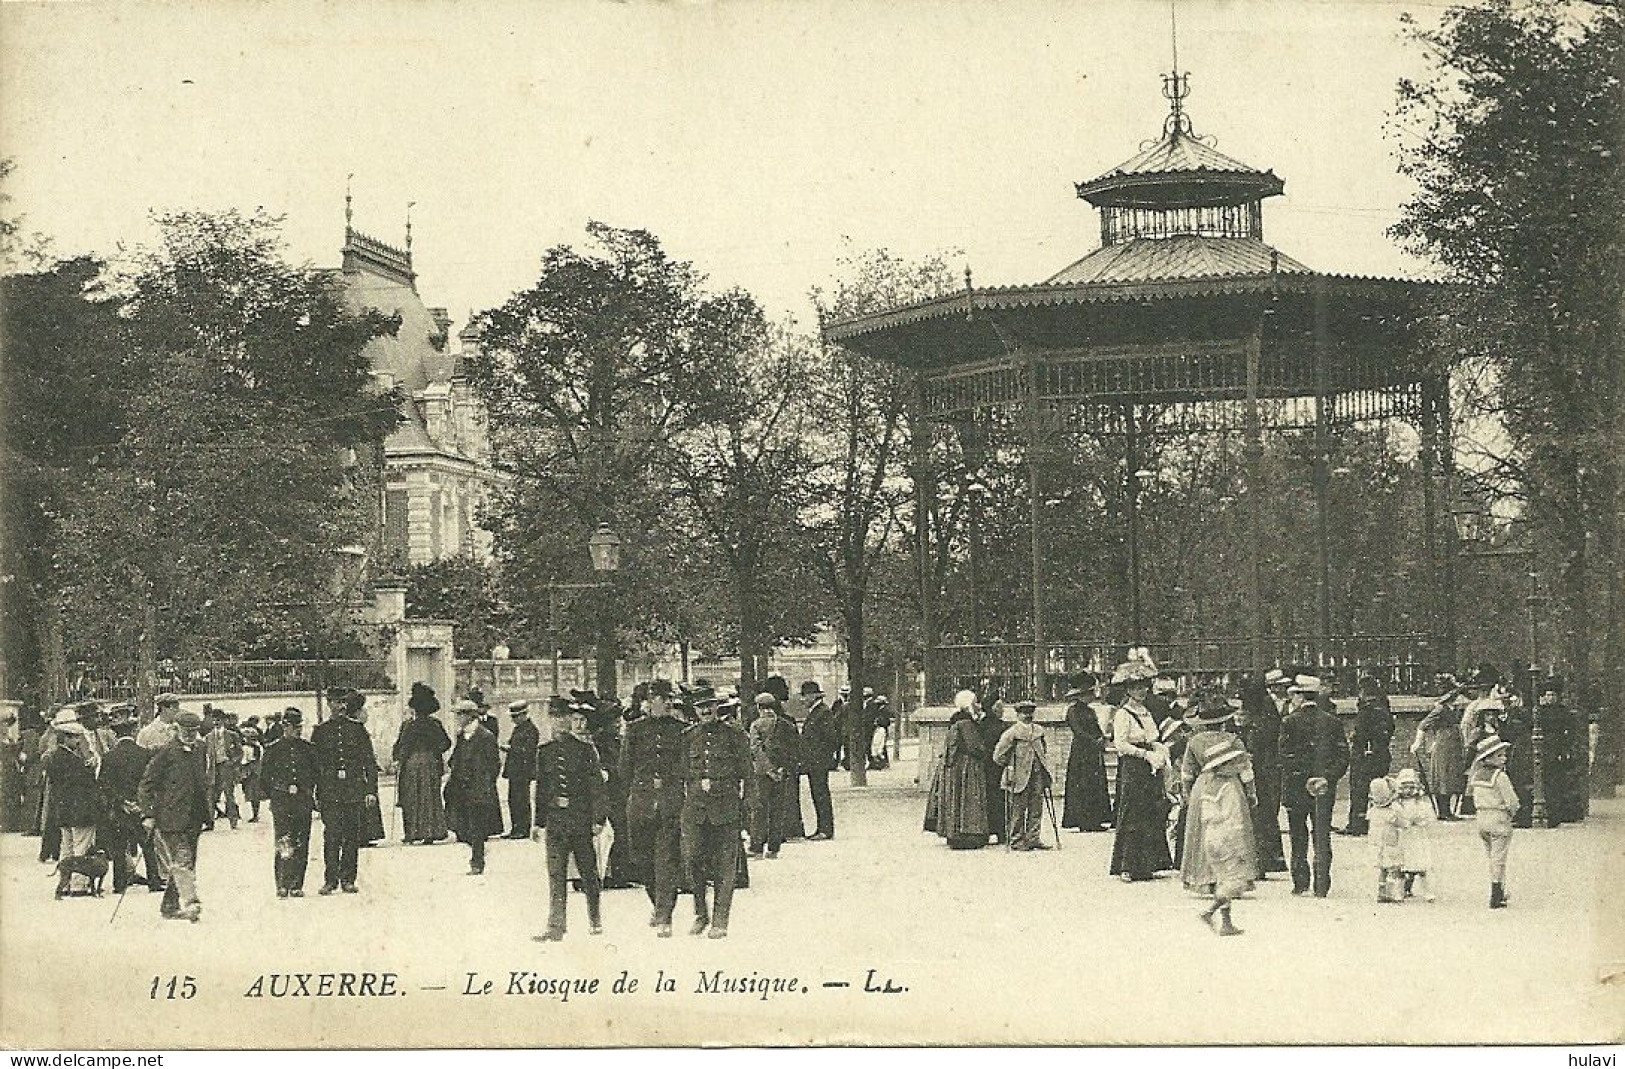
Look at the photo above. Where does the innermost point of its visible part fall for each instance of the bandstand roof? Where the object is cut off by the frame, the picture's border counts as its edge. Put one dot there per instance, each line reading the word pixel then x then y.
pixel 1185 256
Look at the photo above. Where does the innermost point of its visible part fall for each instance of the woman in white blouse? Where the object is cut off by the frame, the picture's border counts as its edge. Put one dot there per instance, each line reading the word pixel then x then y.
pixel 1140 849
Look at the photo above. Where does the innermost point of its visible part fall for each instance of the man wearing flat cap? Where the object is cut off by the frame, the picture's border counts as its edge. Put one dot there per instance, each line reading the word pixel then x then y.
pixel 346 786
pixel 773 745
pixel 520 768
pixel 716 767
pixel 1314 756
pixel 160 730
pixel 174 795
pixel 652 769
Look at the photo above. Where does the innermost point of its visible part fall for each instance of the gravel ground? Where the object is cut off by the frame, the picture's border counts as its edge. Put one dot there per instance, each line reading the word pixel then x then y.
pixel 985 947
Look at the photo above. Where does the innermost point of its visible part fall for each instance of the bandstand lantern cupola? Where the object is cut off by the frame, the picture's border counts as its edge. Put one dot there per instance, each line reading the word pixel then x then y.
pixel 1184 312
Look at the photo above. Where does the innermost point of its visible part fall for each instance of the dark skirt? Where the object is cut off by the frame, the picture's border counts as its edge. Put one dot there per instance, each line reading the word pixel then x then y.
pixel 423 815
pixel 372 825
pixel 1141 846
pixel 1088 803
pixel 962 803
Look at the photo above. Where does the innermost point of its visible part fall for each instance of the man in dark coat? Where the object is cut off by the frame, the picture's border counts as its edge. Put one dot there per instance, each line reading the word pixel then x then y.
pixel 520 768
pixel 346 785
pixel 820 741
pixel 174 795
pixel 1566 753
pixel 717 763
pixel 290 772
pixel 1258 723
pixel 1314 756
pixel 120 780
pixel 652 769
pixel 471 789
pixel 1369 753
pixel 570 813
pixel 774 746
pixel 993 726
pixel 75 806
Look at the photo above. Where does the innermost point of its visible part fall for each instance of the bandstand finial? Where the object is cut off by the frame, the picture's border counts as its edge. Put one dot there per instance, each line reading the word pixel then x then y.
pixel 1176 84
pixel 409 205
pixel 349 213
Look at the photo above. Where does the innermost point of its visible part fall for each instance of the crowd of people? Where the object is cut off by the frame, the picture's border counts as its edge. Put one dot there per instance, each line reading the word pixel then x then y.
pixel 677 792
pixel 1201 779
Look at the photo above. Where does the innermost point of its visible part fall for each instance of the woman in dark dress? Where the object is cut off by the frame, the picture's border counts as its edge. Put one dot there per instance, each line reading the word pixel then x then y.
pixel 1088 802
pixel 1140 849
pixel 420 759
pixel 962 809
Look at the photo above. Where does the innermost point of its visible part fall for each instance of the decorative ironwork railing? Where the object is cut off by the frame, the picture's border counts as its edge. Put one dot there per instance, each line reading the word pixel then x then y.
pixel 118 682
pixel 1400 661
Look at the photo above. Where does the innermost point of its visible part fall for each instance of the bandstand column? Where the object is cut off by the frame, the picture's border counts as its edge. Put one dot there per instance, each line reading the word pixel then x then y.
pixel 1438 472
pixel 1040 680
pixel 1131 458
pixel 925 493
pixel 1323 540
pixel 1254 452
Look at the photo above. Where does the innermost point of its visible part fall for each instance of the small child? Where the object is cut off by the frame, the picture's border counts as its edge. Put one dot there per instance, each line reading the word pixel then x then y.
pixel 1413 815
pixel 1496 801
pixel 1383 829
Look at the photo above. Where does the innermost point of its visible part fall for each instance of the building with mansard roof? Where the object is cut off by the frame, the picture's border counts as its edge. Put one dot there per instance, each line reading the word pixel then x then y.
pixel 438 463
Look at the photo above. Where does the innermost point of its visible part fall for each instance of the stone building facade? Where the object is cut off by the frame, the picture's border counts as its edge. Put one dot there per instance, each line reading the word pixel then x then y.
pixel 437 463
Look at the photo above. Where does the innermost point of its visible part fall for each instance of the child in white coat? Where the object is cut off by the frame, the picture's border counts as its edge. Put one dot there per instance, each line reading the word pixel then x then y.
pixel 1413 817
pixel 1383 830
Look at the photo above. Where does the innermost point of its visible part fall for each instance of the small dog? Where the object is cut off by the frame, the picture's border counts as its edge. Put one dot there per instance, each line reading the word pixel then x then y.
pixel 92 866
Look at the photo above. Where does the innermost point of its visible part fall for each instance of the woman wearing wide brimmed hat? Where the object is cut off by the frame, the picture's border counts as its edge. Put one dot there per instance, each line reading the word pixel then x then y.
pixel 1496 801
pixel 1088 805
pixel 1439 751
pixel 1220 855
pixel 1140 849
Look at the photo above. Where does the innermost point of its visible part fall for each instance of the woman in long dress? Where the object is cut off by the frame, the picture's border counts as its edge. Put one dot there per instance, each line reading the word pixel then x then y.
pixel 1438 748
pixel 420 755
pixel 1140 850
pixel 1220 852
pixel 1088 804
pixel 962 804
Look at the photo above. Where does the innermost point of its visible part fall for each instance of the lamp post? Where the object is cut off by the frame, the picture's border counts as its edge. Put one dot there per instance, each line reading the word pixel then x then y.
pixel 605 548
pixel 1473 524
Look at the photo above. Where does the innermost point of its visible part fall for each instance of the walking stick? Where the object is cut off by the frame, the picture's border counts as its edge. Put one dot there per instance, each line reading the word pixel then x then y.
pixel 1049 800
pixel 1009 820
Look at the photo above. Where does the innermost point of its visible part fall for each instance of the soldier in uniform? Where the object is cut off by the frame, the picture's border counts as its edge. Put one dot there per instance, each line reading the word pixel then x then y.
pixel 346 785
pixel 820 741
pixel 520 768
pixel 652 769
pixel 289 773
pixel 716 764
pixel 569 813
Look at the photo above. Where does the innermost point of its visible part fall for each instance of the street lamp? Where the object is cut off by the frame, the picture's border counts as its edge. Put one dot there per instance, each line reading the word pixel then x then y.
pixel 605 547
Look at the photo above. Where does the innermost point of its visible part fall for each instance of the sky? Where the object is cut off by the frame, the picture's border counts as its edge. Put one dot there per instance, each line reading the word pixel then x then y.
pixel 756 138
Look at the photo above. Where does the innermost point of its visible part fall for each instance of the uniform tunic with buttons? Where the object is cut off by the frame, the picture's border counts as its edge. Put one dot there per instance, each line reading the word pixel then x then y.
pixel 718 762
pixel 569 786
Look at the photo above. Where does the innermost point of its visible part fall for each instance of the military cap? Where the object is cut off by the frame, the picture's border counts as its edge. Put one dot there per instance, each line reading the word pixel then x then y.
pixel 188 719
pixel 167 699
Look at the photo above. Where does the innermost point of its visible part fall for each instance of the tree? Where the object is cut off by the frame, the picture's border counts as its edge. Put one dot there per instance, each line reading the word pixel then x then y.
pixel 467 592
pixel 1513 141
pixel 586 376
pixel 744 476
pixel 208 524
pixel 859 408
pixel 61 411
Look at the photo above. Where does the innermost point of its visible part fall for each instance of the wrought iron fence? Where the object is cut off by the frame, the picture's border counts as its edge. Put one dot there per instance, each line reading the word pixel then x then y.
pixel 1003 670
pixel 117 682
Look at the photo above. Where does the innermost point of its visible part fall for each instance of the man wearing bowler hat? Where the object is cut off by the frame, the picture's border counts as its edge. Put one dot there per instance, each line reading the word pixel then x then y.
pixel 1314 756
pixel 820 742
pixel 174 795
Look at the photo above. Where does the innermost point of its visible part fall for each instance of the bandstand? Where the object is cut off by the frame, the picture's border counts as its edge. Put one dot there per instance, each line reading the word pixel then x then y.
pixel 1184 315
